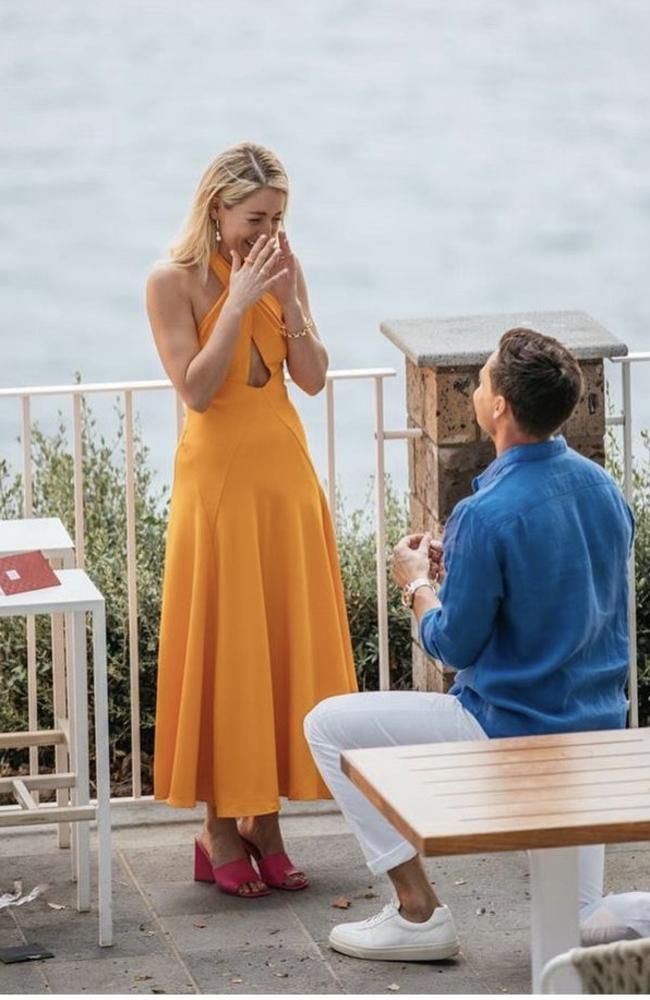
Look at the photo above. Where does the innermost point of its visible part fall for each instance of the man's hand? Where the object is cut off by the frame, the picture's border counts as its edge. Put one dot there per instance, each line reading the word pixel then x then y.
pixel 411 558
pixel 436 561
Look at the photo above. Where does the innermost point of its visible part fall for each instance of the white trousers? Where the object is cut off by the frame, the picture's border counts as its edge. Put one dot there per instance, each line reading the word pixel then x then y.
pixel 401 718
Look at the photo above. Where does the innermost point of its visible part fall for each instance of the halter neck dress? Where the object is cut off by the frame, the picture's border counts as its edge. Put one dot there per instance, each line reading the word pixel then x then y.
pixel 254 630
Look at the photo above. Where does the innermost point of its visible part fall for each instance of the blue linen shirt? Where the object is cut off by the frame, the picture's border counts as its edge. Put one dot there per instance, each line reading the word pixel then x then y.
pixel 533 611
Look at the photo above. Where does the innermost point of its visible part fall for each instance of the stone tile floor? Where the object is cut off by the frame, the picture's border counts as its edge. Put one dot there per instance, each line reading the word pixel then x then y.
pixel 173 935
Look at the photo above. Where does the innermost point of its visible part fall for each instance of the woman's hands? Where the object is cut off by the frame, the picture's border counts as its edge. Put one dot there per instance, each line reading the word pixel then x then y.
pixel 257 274
pixel 286 289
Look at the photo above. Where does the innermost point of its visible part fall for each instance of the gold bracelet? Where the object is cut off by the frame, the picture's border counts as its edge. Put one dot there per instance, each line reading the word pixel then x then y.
pixel 307 328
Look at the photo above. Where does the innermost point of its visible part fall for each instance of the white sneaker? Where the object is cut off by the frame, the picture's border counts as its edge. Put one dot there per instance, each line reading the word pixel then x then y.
pixel 388 936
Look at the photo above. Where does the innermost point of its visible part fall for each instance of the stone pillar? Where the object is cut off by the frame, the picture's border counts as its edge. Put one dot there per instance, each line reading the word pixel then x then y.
pixel 443 360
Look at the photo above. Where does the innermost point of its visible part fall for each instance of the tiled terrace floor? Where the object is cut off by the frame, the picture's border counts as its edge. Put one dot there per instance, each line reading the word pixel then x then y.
pixel 176 936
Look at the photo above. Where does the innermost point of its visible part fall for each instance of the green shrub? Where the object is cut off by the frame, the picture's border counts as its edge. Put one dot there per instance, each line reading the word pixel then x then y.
pixel 105 535
pixel 641 508
pixel 356 543
pixel 105 561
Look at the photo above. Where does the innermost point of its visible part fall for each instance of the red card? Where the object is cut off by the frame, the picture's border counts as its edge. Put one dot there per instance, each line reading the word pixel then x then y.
pixel 26 571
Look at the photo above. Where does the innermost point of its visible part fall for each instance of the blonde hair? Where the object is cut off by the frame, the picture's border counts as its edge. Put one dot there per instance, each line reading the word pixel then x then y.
pixel 234 175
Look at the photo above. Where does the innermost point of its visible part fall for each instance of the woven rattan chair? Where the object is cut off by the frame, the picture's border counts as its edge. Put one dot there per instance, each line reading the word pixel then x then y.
pixel 620 967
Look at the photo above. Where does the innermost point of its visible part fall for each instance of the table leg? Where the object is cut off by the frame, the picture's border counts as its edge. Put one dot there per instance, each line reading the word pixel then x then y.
pixel 72 753
pixel 102 771
pixel 61 756
pixel 79 727
pixel 554 912
pixel 32 695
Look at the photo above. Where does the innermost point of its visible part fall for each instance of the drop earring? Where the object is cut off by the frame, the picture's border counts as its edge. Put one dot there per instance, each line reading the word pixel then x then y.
pixel 217 231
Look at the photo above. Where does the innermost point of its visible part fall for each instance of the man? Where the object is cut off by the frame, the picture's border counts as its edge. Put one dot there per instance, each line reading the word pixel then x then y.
pixel 532 615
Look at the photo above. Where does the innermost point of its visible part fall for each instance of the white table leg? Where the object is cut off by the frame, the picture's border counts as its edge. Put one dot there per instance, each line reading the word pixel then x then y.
pixel 103 777
pixel 79 727
pixel 554 912
pixel 61 756
pixel 72 752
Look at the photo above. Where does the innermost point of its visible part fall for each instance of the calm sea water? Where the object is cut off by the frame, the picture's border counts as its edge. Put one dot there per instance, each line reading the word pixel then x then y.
pixel 447 157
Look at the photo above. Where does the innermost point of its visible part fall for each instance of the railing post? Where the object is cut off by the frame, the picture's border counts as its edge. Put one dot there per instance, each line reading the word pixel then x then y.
pixel 380 495
pixel 79 527
pixel 331 447
pixel 628 489
pixel 180 415
pixel 30 625
pixel 132 585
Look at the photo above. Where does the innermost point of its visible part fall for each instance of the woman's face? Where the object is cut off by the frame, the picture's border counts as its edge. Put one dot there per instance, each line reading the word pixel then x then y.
pixel 259 214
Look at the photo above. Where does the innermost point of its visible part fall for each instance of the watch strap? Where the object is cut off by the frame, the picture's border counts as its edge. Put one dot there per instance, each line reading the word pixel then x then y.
pixel 409 591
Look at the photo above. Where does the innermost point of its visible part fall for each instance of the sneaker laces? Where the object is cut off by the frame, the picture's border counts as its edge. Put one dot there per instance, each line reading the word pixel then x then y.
pixel 388 910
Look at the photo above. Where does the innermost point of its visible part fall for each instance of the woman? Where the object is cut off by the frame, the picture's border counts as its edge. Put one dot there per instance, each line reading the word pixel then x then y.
pixel 254 630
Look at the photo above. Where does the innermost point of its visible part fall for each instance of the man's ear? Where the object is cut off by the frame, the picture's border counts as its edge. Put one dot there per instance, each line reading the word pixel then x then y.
pixel 500 407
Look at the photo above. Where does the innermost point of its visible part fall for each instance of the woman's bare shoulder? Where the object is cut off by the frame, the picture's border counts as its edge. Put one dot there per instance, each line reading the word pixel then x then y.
pixel 168 277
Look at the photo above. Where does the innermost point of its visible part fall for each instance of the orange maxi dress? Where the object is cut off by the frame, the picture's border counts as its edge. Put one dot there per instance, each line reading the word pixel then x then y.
pixel 254 629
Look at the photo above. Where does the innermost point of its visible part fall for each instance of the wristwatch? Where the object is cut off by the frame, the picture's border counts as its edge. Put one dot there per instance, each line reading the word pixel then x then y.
pixel 409 589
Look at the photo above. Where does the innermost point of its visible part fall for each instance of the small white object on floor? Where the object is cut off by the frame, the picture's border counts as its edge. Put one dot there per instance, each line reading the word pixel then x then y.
pixel 16 897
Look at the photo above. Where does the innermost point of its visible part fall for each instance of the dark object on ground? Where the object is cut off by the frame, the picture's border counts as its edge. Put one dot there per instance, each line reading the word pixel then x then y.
pixel 24 953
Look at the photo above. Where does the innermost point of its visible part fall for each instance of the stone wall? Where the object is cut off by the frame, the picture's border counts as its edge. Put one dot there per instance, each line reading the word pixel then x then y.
pixel 452 449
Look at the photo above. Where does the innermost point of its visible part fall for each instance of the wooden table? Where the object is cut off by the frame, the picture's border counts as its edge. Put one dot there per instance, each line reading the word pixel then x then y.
pixel 545 794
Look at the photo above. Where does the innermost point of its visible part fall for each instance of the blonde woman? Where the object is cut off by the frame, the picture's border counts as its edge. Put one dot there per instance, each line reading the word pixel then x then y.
pixel 254 630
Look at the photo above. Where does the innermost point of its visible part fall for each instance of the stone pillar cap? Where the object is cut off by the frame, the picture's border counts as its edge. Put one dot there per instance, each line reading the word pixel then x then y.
pixel 451 341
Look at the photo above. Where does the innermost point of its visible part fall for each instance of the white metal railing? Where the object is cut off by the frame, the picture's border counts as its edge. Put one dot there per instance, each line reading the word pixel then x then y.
pixel 624 420
pixel 77 392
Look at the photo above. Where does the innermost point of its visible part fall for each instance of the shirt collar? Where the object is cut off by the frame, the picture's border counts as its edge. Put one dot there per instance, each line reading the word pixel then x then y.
pixel 520 453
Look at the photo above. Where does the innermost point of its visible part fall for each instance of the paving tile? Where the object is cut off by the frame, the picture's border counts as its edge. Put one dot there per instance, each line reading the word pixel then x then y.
pixel 178 898
pixel 626 871
pixel 489 915
pixel 490 953
pixel 641 846
pixel 146 974
pixel 360 976
pixel 230 930
pixel 74 938
pixel 314 907
pixel 337 852
pixel 508 983
pixel 148 866
pixel 292 971
pixel 8 928
pixel 23 977
pixel 30 842
pixel 275 945
pixel 127 906
pixel 54 872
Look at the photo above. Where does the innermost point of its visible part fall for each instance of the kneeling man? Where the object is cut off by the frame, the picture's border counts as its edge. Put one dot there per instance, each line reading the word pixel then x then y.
pixel 532 614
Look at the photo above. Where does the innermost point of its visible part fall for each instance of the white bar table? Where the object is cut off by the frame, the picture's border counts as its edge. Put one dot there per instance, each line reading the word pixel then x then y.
pixel 76 596
pixel 49 535
pixel 29 533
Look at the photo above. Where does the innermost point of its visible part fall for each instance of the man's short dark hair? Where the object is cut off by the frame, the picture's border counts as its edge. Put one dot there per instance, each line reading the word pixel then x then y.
pixel 539 378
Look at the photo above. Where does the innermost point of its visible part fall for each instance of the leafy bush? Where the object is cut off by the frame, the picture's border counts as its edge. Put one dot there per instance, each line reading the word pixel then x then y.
pixel 356 543
pixel 105 524
pixel 105 536
pixel 641 508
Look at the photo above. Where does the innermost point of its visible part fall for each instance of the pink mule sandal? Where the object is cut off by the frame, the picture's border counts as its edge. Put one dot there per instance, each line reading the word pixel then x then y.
pixel 229 877
pixel 276 868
